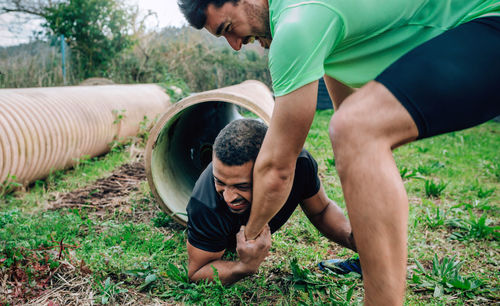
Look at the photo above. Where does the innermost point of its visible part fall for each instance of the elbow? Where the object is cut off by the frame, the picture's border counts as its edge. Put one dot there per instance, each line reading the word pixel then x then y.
pixel 276 174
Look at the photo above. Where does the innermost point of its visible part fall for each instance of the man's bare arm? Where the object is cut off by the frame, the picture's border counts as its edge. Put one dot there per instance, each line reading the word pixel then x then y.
pixel 275 165
pixel 250 253
pixel 329 219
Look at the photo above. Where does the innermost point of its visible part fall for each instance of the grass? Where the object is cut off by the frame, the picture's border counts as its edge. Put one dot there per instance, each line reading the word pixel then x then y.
pixel 135 252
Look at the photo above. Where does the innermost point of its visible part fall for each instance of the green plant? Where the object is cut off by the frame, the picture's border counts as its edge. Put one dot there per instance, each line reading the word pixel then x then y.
pixel 436 219
pixel 119 115
pixel 110 291
pixel 147 273
pixel 481 205
pixel 484 193
pixel 433 189
pixel 304 279
pixel 473 228
pixel 407 173
pixel 8 185
pixel 444 277
pixel 144 127
pixel 162 219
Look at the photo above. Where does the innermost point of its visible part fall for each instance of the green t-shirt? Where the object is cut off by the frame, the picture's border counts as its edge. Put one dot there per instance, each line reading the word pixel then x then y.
pixel 354 41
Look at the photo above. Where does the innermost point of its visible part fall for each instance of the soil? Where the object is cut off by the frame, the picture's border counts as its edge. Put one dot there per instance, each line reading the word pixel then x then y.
pixel 106 192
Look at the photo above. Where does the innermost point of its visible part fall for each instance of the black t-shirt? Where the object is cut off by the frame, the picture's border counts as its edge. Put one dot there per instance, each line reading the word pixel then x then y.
pixel 213 227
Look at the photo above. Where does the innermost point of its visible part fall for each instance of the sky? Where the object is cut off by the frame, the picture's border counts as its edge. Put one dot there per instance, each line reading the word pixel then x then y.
pixel 16 28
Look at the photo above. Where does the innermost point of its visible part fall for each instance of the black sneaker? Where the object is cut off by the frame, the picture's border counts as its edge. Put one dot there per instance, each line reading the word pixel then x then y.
pixel 340 266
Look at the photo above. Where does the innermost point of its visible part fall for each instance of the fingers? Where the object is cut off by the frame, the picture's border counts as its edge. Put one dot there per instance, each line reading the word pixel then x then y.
pixel 240 237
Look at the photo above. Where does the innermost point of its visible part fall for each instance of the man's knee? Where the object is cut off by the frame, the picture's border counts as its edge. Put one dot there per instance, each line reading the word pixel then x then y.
pixel 371 116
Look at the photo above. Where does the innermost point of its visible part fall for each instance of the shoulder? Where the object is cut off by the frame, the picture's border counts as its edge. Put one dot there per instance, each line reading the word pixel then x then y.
pixel 303 37
pixel 306 160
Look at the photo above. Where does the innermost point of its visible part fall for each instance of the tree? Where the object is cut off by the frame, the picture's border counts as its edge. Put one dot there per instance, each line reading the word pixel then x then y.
pixel 95 30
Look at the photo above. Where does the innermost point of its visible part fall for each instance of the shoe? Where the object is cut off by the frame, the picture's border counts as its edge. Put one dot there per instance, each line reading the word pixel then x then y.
pixel 340 266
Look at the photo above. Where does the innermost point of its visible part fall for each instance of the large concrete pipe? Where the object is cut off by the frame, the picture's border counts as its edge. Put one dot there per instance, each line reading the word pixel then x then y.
pixel 180 144
pixel 47 129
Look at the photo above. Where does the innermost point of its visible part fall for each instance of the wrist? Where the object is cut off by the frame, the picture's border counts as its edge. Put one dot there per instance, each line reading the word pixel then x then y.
pixel 249 234
pixel 246 268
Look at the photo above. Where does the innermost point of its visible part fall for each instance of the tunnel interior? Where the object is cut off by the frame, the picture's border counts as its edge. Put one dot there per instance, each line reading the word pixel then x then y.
pixel 184 148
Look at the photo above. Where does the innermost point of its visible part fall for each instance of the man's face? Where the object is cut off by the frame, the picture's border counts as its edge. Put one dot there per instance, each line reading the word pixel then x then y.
pixel 240 23
pixel 234 184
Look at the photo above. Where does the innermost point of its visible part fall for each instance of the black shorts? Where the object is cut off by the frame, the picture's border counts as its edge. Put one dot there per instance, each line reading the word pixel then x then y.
pixel 452 81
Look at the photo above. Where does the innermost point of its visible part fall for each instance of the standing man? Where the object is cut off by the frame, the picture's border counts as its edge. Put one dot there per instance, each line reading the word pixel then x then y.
pixel 423 68
pixel 219 208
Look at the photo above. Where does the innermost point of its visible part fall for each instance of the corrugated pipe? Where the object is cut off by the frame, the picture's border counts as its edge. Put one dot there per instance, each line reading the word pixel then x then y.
pixel 48 129
pixel 180 144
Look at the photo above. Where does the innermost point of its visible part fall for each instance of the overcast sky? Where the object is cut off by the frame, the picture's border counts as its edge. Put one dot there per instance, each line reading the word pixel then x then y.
pixel 16 29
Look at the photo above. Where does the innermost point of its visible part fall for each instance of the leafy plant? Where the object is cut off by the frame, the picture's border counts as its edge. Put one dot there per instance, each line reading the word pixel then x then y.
pixel 144 127
pixel 147 272
pixel 481 205
pixel 433 189
pixel 162 219
pixel 304 279
pixel 444 277
pixel 484 193
pixel 429 168
pixel 436 219
pixel 407 173
pixel 176 274
pixel 110 291
pixel 8 185
pixel 119 115
pixel 473 228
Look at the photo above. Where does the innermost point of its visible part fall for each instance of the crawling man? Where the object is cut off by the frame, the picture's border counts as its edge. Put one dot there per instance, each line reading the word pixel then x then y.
pixel 220 204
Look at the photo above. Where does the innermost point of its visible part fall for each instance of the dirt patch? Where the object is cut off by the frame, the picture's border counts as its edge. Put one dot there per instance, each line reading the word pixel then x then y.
pixel 111 191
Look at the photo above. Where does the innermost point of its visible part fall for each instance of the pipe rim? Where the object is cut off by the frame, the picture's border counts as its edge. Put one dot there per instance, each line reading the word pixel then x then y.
pixel 263 111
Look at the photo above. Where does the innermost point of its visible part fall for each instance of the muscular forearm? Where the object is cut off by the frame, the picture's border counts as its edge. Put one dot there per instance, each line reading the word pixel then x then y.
pixel 274 168
pixel 229 271
pixel 274 188
pixel 332 223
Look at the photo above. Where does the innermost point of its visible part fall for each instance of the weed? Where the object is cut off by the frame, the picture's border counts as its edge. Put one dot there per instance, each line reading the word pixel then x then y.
pixel 8 185
pixel 407 173
pixel 144 127
pixel 119 115
pixel 473 228
pixel 429 168
pixel 304 279
pixel 480 205
pixel 162 219
pixel 176 274
pixel 83 161
pixel 444 277
pixel 433 189
pixel 110 291
pixel 436 219
pixel 147 273
pixel 484 193
pixel 422 149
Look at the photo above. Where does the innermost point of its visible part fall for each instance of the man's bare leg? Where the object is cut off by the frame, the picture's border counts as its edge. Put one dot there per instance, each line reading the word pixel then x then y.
pixel 363 131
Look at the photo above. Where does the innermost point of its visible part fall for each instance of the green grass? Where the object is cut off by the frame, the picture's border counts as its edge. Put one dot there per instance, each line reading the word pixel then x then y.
pixel 453 237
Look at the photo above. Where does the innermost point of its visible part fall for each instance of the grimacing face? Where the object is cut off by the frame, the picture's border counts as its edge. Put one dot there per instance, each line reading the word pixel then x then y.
pixel 234 184
pixel 240 23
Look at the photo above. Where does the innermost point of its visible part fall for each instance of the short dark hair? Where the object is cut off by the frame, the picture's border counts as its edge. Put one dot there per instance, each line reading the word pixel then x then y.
pixel 194 10
pixel 239 141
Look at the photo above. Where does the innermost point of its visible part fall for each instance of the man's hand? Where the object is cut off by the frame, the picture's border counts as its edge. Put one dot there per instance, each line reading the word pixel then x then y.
pixel 253 252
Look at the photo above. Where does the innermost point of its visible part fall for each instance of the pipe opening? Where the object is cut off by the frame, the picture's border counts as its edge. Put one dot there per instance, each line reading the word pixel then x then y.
pixel 184 149
pixel 180 144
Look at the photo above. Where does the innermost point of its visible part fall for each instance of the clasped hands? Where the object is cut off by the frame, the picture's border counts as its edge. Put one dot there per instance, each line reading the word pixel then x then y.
pixel 253 252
